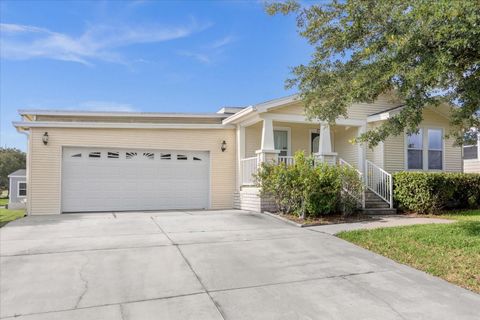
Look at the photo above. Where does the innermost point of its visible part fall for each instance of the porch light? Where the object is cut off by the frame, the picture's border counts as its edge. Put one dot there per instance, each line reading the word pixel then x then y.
pixel 223 146
pixel 45 138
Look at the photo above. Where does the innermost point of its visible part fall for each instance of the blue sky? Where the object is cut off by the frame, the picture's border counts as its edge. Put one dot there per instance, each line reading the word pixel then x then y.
pixel 157 56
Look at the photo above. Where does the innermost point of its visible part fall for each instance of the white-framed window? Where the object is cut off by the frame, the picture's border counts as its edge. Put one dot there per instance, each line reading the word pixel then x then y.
pixel 281 139
pixel 425 149
pixel 21 189
pixel 472 151
pixel 435 149
pixel 415 151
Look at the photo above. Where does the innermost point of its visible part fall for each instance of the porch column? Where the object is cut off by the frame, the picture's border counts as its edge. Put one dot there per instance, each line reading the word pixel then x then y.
pixel 362 150
pixel 325 153
pixel 240 153
pixel 267 151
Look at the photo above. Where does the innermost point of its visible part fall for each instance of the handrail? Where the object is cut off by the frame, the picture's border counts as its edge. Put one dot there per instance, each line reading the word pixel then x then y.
pixel 379 182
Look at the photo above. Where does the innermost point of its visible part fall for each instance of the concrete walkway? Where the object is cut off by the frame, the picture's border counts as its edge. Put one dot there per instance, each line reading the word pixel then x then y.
pixel 378 222
pixel 206 265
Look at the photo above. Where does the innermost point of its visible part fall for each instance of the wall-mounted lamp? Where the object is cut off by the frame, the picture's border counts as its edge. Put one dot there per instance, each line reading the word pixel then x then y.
pixel 45 138
pixel 224 146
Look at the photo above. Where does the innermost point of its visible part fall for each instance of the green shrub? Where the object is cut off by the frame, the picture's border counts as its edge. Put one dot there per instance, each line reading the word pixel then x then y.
pixel 306 189
pixel 424 192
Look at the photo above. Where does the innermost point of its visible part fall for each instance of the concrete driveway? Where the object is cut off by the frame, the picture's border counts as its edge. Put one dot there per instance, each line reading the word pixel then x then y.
pixel 206 265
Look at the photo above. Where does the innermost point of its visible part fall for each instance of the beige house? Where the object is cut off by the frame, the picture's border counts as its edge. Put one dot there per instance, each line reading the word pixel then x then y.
pixel 118 161
pixel 471 156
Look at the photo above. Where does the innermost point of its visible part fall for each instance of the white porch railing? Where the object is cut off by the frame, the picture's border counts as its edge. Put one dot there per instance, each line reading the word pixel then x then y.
pixel 379 182
pixel 288 160
pixel 248 168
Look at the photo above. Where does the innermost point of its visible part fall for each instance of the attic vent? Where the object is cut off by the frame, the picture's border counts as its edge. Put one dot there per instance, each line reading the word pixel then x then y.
pixel 197 159
pixel 165 156
pixel 77 155
pixel 181 157
pixel 94 154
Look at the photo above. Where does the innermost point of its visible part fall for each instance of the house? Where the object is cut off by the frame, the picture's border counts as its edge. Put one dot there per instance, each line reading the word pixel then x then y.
pixel 471 157
pixel 82 161
pixel 17 191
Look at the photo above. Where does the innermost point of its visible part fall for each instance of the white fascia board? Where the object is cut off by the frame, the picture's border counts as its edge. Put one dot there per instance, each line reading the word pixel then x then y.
pixel 379 117
pixel 265 106
pixel 113 125
pixel 117 114
pixel 10 176
pixel 237 116
pixel 302 119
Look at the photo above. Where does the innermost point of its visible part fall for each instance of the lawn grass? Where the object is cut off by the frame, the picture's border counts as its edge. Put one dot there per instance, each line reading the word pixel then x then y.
pixel 3 202
pixel 9 215
pixel 449 251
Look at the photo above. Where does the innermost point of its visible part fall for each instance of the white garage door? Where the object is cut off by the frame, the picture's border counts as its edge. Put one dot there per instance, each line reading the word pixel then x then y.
pixel 104 179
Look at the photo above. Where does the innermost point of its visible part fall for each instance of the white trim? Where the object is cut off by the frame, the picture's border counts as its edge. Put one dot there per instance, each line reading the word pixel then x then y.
pixel 233 118
pixel 18 189
pixel 280 102
pixel 17 176
pixel 113 125
pixel 289 138
pixel 283 117
pixel 79 113
pixel 425 149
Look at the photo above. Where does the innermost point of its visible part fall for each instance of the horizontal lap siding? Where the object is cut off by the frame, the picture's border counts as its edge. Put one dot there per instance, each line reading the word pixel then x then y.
pixel 46 161
pixel 472 166
pixel 346 150
pixel 395 146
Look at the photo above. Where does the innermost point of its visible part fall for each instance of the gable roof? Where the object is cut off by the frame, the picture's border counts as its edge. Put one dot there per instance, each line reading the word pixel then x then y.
pixel 18 173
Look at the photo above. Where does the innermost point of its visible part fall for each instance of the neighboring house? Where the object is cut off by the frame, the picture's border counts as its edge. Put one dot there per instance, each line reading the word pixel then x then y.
pixel 17 191
pixel 471 157
pixel 118 161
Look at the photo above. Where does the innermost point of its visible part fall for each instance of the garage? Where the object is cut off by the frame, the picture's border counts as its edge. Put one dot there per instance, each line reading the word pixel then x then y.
pixel 112 179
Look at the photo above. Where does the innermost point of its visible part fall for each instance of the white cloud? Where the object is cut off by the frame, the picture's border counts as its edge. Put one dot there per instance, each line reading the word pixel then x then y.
pixel 98 42
pixel 209 53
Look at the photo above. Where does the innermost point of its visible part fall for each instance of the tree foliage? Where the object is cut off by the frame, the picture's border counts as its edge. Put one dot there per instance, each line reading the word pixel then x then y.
pixel 11 159
pixel 426 51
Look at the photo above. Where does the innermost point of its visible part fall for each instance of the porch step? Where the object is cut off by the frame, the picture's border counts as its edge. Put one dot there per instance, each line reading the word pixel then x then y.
pixel 376 204
pixel 379 211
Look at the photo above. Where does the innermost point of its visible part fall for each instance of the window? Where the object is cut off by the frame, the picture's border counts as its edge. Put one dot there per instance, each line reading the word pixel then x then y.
pixel 425 150
pixel 22 189
pixel 94 154
pixel 130 155
pixel 415 150
pixel 113 155
pixel 470 152
pixel 435 149
pixel 280 138
pixel 148 155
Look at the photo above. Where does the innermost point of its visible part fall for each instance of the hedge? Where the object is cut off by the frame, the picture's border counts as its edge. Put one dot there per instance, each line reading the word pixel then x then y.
pixel 423 192
pixel 309 189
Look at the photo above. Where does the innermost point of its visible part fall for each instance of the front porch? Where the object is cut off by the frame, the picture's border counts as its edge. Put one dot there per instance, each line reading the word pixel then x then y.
pixel 277 141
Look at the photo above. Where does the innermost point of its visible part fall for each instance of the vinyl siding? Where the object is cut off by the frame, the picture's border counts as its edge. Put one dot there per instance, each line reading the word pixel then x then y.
pixel 45 162
pixel 376 154
pixel 342 146
pixel 355 111
pixel 395 146
pixel 471 166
